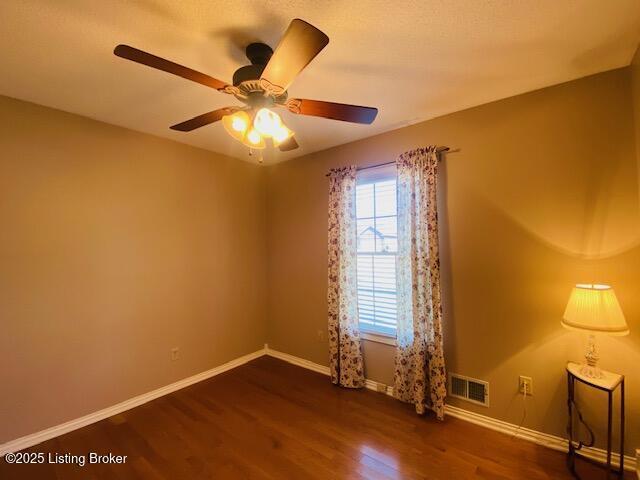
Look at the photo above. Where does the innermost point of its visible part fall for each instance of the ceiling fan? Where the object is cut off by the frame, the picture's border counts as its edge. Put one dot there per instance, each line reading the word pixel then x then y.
pixel 261 86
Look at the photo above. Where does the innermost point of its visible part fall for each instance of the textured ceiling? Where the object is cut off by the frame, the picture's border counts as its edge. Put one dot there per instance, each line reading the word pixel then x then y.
pixel 413 60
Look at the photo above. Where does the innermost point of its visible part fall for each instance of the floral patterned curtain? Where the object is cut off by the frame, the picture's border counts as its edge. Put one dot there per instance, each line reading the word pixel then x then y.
pixel 344 337
pixel 419 371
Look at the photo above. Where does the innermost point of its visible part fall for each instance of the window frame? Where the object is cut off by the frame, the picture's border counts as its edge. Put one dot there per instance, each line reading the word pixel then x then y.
pixel 369 176
pixel 378 337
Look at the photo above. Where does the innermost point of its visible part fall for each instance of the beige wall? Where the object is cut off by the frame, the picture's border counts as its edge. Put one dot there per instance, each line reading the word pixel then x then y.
pixel 115 247
pixel 542 193
pixel 635 95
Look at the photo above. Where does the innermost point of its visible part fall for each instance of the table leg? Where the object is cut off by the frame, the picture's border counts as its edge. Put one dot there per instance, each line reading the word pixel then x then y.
pixel 622 428
pixel 570 456
pixel 609 420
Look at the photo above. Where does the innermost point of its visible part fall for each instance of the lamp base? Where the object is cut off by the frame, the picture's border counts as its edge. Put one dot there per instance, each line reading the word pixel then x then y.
pixel 590 369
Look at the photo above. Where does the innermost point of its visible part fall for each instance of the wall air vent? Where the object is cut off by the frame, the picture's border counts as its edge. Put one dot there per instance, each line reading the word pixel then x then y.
pixel 469 389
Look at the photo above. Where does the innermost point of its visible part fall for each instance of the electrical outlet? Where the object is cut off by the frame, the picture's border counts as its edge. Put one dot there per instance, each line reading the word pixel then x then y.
pixel 321 335
pixel 175 354
pixel 525 382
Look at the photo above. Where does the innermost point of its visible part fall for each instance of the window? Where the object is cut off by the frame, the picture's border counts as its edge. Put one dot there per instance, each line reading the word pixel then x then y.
pixel 377 247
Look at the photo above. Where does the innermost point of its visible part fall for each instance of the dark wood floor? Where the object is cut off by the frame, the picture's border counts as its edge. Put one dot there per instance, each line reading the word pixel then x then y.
pixel 272 420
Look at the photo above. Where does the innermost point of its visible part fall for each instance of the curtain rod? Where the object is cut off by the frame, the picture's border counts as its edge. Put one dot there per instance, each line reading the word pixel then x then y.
pixel 438 150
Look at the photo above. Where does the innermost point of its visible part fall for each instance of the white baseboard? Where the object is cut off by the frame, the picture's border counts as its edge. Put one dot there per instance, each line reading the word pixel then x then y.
pixel 301 362
pixel 39 437
pixel 544 439
pixel 550 441
pixel 540 438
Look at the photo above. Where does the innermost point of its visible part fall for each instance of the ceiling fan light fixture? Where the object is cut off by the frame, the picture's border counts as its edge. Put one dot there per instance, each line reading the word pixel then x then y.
pixel 253 137
pixel 254 140
pixel 236 124
pixel 281 135
pixel 267 123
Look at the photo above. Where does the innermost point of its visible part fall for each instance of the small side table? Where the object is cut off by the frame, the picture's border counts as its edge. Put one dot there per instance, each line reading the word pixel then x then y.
pixel 608 383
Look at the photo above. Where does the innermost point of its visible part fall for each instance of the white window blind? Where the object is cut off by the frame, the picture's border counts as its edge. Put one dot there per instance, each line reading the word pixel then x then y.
pixel 377 246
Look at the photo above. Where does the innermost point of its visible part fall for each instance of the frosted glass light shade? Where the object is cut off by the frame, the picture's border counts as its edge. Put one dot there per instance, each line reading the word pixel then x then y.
pixel 237 124
pixel 267 123
pixel 594 308
pixel 281 135
pixel 253 139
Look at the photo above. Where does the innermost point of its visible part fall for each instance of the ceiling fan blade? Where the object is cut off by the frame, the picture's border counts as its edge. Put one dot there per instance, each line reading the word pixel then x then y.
pixel 298 46
pixel 138 56
pixel 288 145
pixel 204 119
pixel 335 111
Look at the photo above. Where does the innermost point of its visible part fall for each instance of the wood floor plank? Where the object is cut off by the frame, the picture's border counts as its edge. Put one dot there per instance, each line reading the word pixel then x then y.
pixel 269 420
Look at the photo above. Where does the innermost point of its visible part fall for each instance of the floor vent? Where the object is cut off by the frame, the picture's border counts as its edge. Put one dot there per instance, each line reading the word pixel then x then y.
pixel 469 389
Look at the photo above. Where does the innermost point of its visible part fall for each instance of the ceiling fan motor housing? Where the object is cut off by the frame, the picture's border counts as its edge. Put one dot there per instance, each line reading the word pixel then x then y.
pixel 247 78
pixel 259 55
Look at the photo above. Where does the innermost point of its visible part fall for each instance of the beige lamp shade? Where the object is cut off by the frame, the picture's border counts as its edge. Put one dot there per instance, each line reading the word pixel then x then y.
pixel 594 308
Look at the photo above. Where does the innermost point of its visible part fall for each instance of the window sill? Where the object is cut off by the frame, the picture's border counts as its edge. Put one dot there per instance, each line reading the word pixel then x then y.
pixel 378 338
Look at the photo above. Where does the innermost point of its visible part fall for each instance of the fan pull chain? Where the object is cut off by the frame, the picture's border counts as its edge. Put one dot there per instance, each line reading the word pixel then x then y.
pixel 260 156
